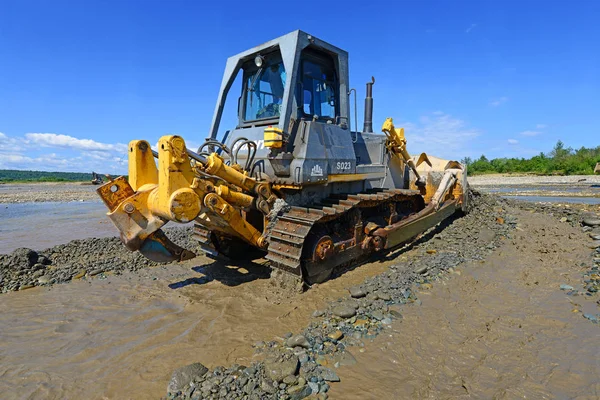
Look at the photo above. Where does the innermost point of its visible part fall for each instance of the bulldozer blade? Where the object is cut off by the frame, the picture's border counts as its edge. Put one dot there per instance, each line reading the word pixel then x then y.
pixel 423 158
pixel 157 247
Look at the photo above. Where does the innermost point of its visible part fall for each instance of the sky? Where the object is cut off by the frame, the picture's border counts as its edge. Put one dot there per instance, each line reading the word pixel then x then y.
pixel 80 79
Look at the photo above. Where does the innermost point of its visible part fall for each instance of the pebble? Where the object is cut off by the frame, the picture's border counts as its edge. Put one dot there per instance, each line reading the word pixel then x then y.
pixel 566 287
pixel 595 244
pixel 298 341
pixel 279 368
pixel 182 377
pixel 344 311
pixel 329 375
pixel 337 335
pixel 357 292
pixel 591 317
pixel 591 221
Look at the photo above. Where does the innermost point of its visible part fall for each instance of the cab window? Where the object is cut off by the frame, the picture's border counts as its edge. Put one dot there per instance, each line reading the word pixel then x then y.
pixel 319 94
pixel 264 92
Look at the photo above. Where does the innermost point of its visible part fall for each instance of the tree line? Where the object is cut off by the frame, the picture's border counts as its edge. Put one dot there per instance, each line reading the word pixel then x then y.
pixel 560 161
pixel 13 175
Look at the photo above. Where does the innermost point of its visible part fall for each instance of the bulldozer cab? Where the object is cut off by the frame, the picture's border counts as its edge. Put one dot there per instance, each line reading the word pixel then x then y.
pixel 292 77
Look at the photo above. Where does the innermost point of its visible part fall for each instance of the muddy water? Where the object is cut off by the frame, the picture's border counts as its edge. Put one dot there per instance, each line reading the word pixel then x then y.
pixel 46 224
pixel 122 337
pixel 500 329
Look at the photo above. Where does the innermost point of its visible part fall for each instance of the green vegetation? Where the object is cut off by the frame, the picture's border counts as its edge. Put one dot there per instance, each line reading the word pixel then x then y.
pixel 560 161
pixel 11 175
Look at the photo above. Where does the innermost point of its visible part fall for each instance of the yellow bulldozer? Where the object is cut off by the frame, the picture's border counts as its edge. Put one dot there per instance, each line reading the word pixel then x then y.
pixel 292 182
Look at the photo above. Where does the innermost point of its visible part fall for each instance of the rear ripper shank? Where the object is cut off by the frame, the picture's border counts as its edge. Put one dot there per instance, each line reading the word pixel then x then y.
pixel 292 182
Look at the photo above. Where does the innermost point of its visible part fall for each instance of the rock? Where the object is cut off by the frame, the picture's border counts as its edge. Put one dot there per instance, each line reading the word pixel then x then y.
pixel 378 315
pixel 299 392
pixel 298 340
pixel 42 280
pixel 268 387
pixel 343 359
pixel 279 368
pixel 314 387
pixel 357 292
pixel 336 335
pixel 290 380
pixel 422 269
pixel 23 258
pixel 595 244
pixel 591 317
pixel 80 274
pixel 329 375
pixel 591 221
pixel 344 311
pixel 595 236
pixel 566 287
pixel 318 313
pixel 182 377
pixel 383 295
pixel 386 321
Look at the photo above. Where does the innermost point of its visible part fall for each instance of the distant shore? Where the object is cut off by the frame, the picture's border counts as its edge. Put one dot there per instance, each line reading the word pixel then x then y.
pixel 517 180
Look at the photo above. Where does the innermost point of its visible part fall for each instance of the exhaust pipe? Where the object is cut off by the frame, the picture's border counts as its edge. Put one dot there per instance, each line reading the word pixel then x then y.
pixel 368 126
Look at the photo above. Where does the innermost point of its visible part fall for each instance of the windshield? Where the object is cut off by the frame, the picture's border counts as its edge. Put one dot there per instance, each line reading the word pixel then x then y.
pixel 319 93
pixel 264 92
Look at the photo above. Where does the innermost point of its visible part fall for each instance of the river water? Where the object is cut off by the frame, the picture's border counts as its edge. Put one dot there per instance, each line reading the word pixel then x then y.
pixel 45 224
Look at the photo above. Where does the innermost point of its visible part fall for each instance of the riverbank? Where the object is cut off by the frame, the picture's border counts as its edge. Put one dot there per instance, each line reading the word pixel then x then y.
pixel 47 191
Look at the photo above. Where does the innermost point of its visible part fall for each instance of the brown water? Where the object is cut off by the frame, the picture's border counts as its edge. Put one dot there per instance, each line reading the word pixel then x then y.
pixel 500 329
pixel 122 337
pixel 495 330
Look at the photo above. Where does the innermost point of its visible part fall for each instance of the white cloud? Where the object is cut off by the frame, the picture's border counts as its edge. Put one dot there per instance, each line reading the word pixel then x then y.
pixel 499 101
pixel 439 134
pixel 470 28
pixel 531 133
pixel 513 141
pixel 68 154
pixel 540 126
pixel 65 141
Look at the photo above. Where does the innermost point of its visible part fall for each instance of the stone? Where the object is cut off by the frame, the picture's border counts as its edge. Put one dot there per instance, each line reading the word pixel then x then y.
pixel 329 375
pixel 337 335
pixel 290 380
pixel 299 392
pixel 422 269
pixel 383 295
pixel 595 236
pixel 357 292
pixel 298 340
pixel 378 315
pixel 344 359
pixel 344 311
pixel 566 287
pixel 268 387
pixel 182 377
pixel 42 280
pixel 314 387
pixel 277 368
pixel 80 274
pixel 318 313
pixel 595 244
pixel 591 317
pixel 591 221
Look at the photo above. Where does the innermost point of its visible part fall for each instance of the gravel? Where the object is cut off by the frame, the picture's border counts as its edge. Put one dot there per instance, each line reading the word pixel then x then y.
pixel 25 268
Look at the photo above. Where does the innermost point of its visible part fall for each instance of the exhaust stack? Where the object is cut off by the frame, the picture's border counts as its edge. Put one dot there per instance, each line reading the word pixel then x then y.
pixel 368 125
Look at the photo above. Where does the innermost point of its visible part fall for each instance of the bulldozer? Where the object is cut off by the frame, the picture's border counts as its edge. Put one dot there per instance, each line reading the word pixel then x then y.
pixel 292 182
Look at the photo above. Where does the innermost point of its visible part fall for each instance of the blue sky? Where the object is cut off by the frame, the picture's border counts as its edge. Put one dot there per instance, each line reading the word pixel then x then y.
pixel 79 79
